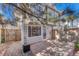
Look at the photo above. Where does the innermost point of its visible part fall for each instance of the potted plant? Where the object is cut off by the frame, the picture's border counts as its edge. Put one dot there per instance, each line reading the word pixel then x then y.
pixel 77 46
pixel 3 39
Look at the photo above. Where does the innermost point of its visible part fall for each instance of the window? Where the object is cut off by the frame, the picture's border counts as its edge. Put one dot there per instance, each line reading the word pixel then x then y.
pixel 34 31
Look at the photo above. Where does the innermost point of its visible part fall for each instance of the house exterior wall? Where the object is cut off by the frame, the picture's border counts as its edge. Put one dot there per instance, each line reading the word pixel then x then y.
pixel 34 39
pixel 48 32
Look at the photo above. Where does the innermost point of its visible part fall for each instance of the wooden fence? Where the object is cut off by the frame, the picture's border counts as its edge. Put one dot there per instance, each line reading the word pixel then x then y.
pixel 55 32
pixel 10 35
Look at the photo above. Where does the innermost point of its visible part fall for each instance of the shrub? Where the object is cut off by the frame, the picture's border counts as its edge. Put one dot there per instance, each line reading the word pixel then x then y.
pixel 77 45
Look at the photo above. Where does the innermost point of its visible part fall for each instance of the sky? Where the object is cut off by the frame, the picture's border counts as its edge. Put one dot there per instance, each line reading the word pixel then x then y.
pixel 7 12
pixel 73 6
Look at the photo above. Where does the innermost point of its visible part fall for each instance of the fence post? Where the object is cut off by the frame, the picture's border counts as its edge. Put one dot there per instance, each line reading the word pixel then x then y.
pixel 5 34
pixel 0 35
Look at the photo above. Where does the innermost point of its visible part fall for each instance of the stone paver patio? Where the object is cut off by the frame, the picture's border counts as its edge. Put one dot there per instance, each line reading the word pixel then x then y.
pixel 44 48
pixel 54 48
pixel 11 49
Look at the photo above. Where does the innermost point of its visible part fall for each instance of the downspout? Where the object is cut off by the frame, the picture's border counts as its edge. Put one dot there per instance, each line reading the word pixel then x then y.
pixel 22 31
